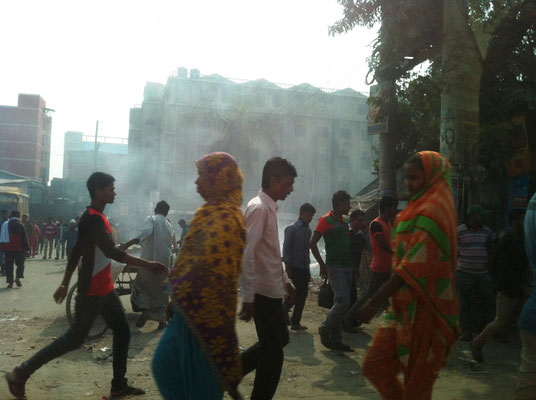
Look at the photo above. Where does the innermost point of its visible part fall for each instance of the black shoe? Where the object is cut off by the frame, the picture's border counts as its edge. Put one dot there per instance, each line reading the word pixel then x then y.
pixel 17 281
pixel 350 329
pixel 140 322
pixel 298 327
pixel 324 338
pixel 476 352
pixel 342 347
pixel 10 286
pixel 466 337
pixel 57 258
pixel 161 325
pixel 16 385
pixel 126 391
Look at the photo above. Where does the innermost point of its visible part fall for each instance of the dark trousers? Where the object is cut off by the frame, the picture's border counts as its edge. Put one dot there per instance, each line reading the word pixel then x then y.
pixel 377 279
pixel 69 252
pixel 267 354
pixel 300 278
pixel 87 308
pixel 2 263
pixel 13 258
pixel 466 284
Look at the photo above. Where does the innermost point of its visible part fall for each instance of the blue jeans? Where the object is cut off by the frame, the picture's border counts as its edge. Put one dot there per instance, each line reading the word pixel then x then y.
pixel 466 283
pixel 340 280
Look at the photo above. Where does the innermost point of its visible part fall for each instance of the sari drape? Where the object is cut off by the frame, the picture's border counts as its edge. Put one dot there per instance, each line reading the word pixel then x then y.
pixel 204 279
pixel 421 324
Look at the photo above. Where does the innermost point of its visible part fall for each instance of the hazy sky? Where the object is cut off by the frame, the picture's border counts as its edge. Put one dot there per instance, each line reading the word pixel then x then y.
pixel 90 60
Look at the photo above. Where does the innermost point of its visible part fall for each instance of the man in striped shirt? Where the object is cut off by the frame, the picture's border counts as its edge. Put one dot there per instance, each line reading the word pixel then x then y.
pixel 475 249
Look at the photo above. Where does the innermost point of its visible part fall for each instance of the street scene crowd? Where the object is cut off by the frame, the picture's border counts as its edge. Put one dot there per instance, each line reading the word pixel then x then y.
pixel 430 281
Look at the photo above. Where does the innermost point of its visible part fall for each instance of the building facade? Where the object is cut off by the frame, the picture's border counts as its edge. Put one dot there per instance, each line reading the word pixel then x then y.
pixel 322 132
pixel 25 131
pixel 81 159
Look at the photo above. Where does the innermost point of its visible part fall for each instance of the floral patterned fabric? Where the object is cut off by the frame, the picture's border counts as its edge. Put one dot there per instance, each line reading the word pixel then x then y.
pixel 205 276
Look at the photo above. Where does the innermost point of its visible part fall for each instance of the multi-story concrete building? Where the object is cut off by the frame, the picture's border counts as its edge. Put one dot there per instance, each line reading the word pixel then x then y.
pixel 80 158
pixel 322 132
pixel 25 138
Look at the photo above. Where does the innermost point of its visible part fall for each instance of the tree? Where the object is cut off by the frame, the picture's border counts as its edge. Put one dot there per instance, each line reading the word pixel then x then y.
pixel 453 34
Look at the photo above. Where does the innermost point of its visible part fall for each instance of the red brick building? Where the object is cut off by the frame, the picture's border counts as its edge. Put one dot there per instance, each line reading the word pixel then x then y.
pixel 25 138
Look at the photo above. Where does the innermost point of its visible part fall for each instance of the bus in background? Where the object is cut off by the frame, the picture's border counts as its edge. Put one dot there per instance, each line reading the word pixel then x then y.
pixel 12 198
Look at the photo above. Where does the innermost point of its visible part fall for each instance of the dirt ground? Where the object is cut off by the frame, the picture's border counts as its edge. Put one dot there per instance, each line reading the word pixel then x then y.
pixel 29 319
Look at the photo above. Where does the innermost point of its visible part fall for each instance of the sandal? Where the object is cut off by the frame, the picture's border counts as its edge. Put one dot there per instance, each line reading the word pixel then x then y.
pixel 16 385
pixel 126 391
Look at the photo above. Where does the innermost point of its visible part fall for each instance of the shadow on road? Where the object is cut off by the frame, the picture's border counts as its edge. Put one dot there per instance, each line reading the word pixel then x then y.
pixel 302 345
pixel 345 368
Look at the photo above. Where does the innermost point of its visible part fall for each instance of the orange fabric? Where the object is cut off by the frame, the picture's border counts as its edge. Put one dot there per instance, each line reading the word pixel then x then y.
pixel 422 322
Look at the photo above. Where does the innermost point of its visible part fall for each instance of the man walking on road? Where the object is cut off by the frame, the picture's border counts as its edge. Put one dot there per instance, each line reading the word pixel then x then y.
pixel 333 227
pixel 49 234
pixel 381 265
pixel 264 280
pixel 149 294
pixel 96 295
pixel 358 242
pixel 297 260
pixel 3 218
pixel 476 243
pixel 14 244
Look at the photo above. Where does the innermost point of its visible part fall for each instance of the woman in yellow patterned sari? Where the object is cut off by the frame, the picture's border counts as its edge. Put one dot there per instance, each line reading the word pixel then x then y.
pixel 198 355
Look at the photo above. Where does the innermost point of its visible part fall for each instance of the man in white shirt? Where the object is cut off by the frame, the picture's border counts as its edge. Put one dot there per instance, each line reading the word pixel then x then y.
pixel 157 239
pixel 264 282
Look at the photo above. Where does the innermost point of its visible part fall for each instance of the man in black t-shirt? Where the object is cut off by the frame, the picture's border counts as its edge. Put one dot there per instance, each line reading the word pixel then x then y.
pixel 96 295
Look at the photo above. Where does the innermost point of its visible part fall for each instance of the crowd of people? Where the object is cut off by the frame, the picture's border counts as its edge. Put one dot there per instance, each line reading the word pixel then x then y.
pixel 425 274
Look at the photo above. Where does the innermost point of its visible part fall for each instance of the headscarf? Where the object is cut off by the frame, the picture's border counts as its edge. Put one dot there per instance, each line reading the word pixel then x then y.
pixel 425 245
pixel 204 279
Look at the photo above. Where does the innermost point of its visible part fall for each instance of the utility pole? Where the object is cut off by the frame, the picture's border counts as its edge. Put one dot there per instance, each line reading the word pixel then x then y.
pixel 95 149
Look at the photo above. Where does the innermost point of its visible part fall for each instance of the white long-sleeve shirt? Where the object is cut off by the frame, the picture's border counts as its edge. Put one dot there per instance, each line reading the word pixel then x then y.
pixel 262 269
pixel 156 238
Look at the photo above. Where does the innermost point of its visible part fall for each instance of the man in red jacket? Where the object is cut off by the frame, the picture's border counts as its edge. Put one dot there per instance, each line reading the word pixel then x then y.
pixel 15 250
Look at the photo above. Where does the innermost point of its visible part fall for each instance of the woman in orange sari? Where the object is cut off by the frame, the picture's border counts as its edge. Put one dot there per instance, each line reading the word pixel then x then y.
pixel 421 325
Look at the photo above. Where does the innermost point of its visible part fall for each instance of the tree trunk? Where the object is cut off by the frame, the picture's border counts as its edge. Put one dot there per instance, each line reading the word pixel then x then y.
pixel 461 74
pixel 386 167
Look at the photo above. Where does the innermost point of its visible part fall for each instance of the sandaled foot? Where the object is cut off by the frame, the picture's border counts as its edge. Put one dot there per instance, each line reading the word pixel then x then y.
pixel 126 391
pixel 16 385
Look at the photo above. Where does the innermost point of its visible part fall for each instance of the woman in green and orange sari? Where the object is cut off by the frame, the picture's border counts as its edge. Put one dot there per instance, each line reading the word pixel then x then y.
pixel 421 325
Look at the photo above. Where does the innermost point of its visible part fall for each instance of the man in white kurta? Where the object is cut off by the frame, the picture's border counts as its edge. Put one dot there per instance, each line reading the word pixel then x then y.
pixel 157 239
